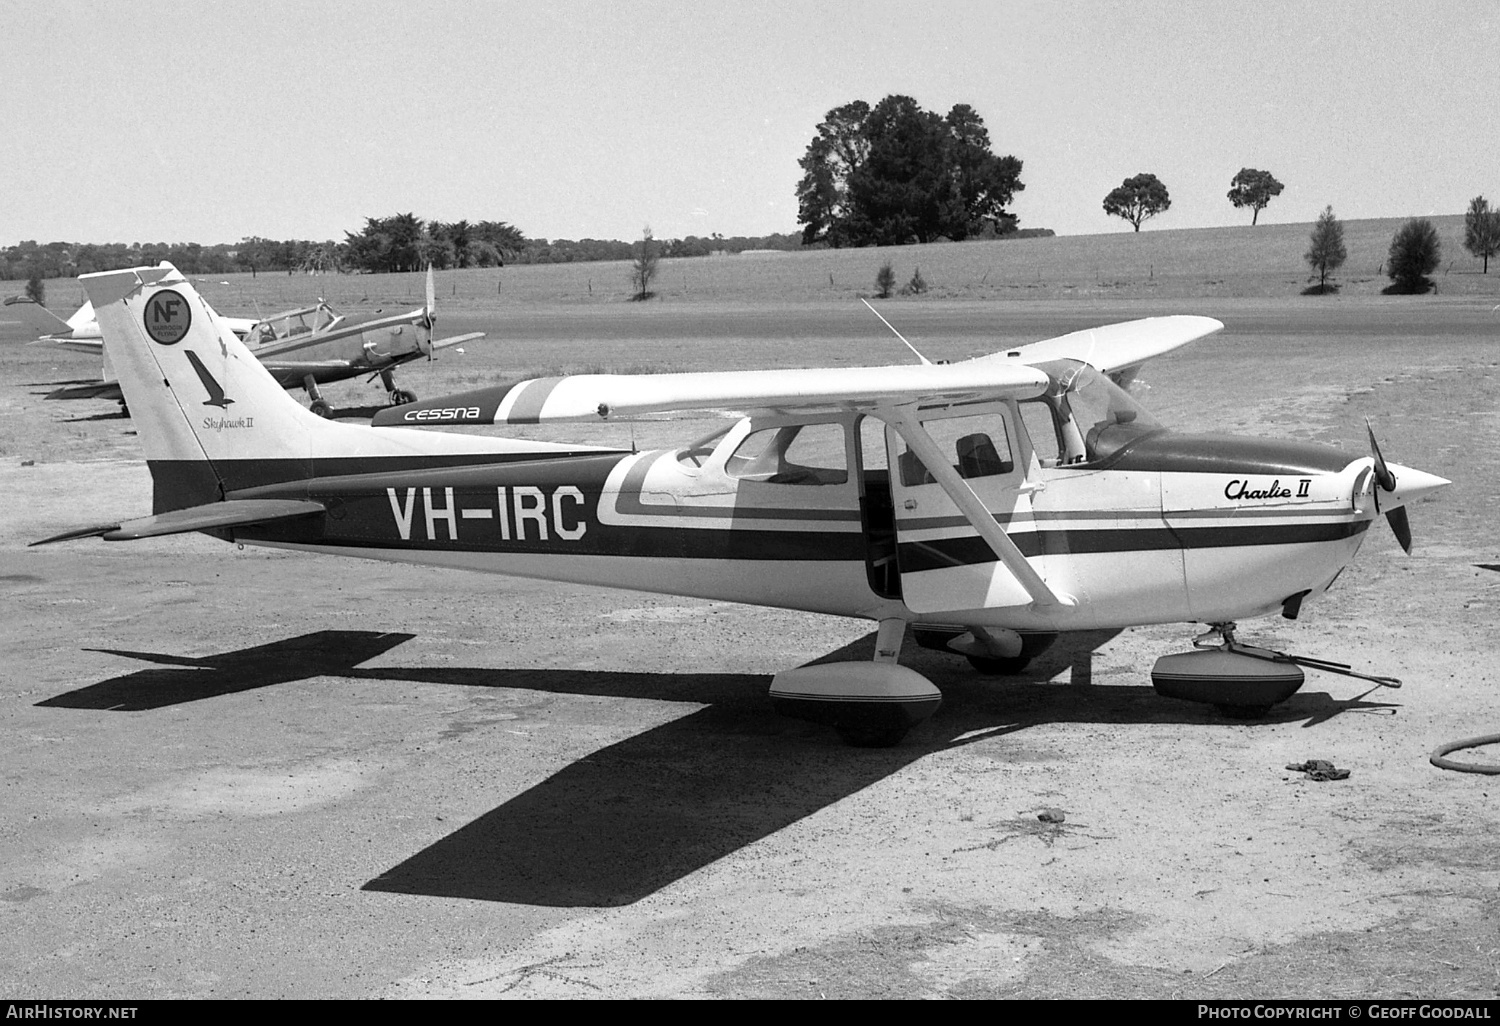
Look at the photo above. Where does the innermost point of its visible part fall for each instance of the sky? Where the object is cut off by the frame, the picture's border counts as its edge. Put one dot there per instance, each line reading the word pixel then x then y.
pixel 198 122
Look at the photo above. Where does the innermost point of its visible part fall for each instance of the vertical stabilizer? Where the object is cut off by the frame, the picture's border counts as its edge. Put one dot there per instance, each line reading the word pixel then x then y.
pixel 194 391
pixel 213 420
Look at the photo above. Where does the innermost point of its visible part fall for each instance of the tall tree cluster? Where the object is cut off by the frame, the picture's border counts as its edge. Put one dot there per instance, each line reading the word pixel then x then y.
pixel 895 173
pixel 404 242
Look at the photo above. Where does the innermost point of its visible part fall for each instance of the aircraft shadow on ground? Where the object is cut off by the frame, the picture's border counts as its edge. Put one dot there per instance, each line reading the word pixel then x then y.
pixel 176 680
pixel 116 415
pixel 635 816
pixel 640 814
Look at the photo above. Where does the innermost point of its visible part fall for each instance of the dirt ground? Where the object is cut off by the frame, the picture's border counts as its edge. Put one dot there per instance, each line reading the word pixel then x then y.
pixel 234 773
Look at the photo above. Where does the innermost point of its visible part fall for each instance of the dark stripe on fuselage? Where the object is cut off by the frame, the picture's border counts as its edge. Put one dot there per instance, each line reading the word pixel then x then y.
pixel 943 553
pixel 177 484
pixel 535 506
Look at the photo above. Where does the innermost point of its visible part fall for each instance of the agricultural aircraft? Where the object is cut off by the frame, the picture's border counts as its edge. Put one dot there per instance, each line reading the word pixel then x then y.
pixel 987 505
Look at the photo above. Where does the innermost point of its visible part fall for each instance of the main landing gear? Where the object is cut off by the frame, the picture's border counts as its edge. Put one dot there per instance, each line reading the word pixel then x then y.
pixel 873 705
pixel 398 396
pixel 319 404
pixel 870 705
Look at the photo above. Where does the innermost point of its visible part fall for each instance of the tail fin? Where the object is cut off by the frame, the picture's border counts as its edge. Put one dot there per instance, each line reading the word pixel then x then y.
pixel 197 396
pixel 213 420
pixel 37 317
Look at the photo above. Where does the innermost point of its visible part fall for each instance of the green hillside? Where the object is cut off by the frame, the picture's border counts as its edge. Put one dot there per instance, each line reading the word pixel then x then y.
pixel 1265 261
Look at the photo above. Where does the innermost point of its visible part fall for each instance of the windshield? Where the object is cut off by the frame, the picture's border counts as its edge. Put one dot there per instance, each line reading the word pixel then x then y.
pixel 1097 416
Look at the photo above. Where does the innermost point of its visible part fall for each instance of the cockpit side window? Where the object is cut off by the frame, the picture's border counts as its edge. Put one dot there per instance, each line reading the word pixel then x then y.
pixel 696 454
pixel 1041 421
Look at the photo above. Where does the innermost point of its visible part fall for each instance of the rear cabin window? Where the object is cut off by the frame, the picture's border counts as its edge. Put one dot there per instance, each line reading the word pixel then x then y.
pixel 797 454
pixel 696 455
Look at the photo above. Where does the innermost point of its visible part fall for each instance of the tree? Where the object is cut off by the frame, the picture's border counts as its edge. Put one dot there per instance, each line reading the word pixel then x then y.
pixel 1138 199
pixel 1415 253
pixel 1253 189
pixel 895 173
pixel 36 289
pixel 1327 251
pixel 885 280
pixel 833 155
pixel 397 243
pixel 643 267
pixel 1482 230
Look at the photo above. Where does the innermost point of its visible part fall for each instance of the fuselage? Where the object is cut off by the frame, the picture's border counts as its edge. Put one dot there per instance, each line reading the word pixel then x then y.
pixel 1165 528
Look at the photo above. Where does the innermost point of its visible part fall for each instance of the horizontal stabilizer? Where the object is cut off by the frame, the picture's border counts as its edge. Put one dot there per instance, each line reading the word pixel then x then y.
pixel 585 397
pixel 231 513
pixel 37 317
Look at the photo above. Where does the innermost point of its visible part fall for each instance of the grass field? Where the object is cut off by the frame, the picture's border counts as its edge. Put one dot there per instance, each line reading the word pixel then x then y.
pixel 1265 261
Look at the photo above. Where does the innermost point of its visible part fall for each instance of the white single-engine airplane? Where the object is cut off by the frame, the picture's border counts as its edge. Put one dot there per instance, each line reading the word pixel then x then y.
pixel 81 333
pixel 988 504
pixel 302 348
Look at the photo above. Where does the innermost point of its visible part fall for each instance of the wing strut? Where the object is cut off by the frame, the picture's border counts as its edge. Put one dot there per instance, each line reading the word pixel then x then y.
pixel 904 420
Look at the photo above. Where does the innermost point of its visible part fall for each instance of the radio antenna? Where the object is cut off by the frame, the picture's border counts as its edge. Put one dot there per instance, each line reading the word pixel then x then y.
pixel 893 329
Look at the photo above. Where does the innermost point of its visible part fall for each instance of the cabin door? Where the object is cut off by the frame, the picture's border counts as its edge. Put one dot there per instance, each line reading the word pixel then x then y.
pixel 944 563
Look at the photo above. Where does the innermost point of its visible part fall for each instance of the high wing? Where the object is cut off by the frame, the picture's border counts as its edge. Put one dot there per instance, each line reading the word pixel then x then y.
pixel 1117 349
pixel 586 397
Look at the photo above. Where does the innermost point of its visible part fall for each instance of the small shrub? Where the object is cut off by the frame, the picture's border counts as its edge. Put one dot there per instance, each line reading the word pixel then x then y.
pixel 35 290
pixel 917 285
pixel 1415 253
pixel 1326 253
pixel 643 267
pixel 885 280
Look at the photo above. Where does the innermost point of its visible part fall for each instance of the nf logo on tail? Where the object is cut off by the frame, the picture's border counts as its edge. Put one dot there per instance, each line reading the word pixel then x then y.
pixel 168 317
pixel 216 396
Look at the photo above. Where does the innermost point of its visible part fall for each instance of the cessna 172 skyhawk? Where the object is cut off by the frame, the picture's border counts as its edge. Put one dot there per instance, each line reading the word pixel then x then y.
pixel 302 348
pixel 988 504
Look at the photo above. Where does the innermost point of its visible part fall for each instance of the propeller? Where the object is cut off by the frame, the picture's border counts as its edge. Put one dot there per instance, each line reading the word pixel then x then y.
pixel 429 315
pixel 1386 480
